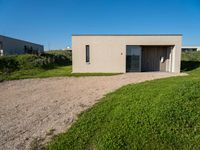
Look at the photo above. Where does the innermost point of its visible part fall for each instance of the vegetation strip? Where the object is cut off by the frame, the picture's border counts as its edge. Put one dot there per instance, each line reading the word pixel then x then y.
pixel 51 64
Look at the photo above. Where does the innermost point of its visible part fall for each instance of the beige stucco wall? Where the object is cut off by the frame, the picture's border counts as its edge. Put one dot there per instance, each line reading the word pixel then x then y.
pixel 108 53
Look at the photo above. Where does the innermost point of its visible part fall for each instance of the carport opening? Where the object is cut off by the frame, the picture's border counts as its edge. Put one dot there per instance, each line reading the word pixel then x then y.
pixel 148 58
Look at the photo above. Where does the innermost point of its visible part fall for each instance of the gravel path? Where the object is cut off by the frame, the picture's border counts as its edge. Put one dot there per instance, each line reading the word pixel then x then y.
pixel 32 110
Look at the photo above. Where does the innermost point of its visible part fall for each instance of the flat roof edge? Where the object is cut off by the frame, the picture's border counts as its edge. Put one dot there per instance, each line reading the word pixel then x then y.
pixel 127 35
pixel 20 40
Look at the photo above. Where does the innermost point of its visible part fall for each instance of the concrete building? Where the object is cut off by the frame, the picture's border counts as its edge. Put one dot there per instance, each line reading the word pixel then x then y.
pixel 190 48
pixel 11 46
pixel 126 53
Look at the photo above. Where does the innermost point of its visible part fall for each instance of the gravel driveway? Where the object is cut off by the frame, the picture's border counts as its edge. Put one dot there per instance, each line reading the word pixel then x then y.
pixel 32 110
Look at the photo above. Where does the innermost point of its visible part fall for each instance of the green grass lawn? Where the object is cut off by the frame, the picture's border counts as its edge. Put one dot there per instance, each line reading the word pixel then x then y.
pixel 159 114
pixel 44 73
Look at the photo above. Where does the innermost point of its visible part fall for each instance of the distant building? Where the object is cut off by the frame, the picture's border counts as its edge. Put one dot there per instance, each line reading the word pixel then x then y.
pixel 190 48
pixel 11 46
pixel 68 49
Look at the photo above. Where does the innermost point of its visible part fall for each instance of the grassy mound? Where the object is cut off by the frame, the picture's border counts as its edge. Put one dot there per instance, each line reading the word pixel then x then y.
pixel 190 61
pixel 27 61
pixel 191 56
pixel 32 66
pixel 159 114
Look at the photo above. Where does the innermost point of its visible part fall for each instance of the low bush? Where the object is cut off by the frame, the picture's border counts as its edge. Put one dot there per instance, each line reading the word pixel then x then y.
pixel 190 60
pixel 58 59
pixel 31 61
pixel 9 64
pixel 189 65
pixel 66 53
pixel 191 56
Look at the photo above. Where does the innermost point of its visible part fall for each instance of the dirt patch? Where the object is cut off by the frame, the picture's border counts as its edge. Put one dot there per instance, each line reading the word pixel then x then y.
pixel 34 110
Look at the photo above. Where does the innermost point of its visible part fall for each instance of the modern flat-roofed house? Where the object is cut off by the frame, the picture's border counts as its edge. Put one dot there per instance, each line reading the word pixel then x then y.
pixel 126 53
pixel 11 46
pixel 190 48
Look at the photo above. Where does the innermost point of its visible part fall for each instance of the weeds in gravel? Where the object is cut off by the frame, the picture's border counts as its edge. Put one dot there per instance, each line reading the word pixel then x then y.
pixel 36 144
pixel 51 132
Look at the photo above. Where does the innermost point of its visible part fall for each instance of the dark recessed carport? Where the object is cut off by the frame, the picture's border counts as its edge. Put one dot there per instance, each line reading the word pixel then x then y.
pixel 148 58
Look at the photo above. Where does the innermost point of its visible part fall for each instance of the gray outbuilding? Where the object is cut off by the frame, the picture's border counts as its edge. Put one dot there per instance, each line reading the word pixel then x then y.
pixel 190 48
pixel 12 46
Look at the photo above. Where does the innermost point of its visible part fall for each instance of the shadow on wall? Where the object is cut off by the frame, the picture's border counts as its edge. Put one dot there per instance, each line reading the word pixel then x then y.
pixel 189 65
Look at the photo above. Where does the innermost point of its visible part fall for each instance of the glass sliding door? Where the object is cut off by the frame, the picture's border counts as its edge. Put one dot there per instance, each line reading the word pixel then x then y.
pixel 133 58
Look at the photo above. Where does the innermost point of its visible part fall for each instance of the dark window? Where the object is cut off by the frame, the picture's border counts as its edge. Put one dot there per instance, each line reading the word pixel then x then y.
pixel 87 53
pixel 1 49
pixel 25 49
pixel 1 45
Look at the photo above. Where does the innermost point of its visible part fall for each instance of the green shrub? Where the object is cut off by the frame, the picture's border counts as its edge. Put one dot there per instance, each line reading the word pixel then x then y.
pixel 190 61
pixel 189 65
pixel 58 59
pixel 66 53
pixel 32 61
pixel 191 56
pixel 26 61
pixel 42 62
pixel 8 64
pixel 61 59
